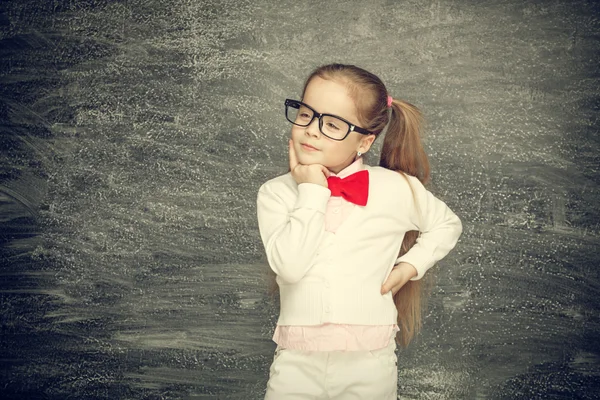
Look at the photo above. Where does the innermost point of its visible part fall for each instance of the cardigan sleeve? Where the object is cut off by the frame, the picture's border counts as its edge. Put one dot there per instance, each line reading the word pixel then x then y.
pixel 291 233
pixel 439 230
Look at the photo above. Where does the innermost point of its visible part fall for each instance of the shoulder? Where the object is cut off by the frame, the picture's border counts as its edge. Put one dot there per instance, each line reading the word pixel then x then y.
pixel 281 183
pixel 281 180
pixel 392 188
pixel 381 176
pixel 380 172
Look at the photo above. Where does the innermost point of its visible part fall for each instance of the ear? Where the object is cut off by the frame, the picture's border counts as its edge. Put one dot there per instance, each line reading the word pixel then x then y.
pixel 365 143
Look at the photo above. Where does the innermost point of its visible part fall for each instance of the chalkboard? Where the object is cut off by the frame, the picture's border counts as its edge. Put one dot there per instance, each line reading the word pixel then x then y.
pixel 136 133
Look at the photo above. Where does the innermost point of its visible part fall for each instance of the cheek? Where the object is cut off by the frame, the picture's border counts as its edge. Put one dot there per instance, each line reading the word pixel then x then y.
pixel 339 149
pixel 296 132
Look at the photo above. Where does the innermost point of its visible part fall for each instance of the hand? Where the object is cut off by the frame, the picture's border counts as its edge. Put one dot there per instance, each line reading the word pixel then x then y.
pixel 312 173
pixel 400 274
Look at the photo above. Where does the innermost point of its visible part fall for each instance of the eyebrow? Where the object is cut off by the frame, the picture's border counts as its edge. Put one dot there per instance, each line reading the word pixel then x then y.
pixel 326 113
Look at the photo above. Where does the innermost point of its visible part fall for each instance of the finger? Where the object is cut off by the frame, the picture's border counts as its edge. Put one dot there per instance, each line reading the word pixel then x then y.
pixel 387 285
pixel 394 281
pixel 325 171
pixel 390 281
pixel 293 157
pixel 384 289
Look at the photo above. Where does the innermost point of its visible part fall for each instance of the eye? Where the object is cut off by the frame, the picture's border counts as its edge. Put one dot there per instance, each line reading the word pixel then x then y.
pixel 331 125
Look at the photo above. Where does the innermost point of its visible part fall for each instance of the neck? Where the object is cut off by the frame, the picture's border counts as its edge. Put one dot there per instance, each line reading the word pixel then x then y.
pixel 339 169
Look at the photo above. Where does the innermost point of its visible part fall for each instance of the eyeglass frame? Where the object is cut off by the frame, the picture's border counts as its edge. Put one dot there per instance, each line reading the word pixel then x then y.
pixel 351 127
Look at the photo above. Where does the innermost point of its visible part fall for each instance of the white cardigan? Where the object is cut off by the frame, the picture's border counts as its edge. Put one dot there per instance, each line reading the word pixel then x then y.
pixel 337 277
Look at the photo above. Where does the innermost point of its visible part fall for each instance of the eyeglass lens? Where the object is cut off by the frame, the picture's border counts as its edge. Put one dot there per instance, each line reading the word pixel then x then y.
pixel 330 126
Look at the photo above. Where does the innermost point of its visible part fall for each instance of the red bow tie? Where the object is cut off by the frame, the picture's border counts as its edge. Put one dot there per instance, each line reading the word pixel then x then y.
pixel 354 188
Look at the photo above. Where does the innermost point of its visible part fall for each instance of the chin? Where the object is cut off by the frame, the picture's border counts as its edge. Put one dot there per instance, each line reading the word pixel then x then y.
pixel 307 160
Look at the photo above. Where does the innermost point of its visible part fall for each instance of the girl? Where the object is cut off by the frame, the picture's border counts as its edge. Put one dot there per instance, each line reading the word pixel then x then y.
pixel 341 238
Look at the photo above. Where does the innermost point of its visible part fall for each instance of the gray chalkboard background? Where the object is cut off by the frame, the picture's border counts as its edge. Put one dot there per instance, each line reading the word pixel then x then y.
pixel 135 135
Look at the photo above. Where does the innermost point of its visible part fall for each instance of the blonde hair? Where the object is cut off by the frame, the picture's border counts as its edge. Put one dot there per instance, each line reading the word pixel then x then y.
pixel 401 151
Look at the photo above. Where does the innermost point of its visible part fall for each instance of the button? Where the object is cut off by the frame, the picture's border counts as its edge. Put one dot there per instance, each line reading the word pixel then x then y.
pixel 327 309
pixel 336 211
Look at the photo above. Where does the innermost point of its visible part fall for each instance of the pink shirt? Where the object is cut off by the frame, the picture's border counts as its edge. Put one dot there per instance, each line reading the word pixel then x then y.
pixel 329 337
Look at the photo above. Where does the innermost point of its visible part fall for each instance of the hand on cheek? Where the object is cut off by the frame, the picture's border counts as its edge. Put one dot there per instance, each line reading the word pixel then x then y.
pixel 313 173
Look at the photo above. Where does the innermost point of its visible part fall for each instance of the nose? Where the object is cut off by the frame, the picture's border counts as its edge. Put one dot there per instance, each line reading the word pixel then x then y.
pixel 313 128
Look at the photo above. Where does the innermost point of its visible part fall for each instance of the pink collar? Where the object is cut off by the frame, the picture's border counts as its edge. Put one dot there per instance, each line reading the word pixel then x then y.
pixel 350 169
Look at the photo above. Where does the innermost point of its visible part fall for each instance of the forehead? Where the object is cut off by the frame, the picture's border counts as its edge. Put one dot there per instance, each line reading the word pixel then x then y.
pixel 331 97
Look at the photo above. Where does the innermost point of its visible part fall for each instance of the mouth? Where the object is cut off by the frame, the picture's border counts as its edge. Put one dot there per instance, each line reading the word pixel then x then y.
pixel 308 147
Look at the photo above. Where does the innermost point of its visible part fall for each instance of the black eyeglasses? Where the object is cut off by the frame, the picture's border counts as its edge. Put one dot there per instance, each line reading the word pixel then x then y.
pixel 332 126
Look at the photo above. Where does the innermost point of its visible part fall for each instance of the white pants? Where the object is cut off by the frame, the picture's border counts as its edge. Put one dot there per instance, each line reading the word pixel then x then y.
pixel 340 375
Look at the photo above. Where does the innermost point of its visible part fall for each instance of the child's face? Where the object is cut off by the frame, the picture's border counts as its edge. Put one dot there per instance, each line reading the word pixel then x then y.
pixel 312 147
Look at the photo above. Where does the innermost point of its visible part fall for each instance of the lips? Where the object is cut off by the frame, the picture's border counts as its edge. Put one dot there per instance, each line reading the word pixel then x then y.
pixel 308 147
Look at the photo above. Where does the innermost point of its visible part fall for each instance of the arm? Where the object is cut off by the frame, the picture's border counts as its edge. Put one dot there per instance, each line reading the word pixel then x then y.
pixel 440 229
pixel 291 237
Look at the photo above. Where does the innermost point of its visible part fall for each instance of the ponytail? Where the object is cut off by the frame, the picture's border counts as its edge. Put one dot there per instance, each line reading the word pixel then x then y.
pixel 402 151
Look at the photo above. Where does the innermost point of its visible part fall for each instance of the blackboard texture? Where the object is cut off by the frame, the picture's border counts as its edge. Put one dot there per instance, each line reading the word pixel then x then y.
pixel 135 135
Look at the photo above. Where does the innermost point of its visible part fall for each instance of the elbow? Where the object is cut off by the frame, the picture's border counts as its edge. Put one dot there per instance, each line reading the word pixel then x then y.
pixel 288 273
pixel 289 269
pixel 453 223
pixel 291 278
pixel 290 266
pixel 459 227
